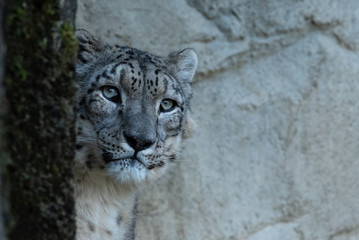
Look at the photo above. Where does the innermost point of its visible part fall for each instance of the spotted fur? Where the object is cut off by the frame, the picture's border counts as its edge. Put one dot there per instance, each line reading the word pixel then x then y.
pixel 127 141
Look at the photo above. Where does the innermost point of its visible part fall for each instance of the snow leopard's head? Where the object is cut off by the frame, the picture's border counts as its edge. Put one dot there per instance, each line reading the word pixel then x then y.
pixel 133 109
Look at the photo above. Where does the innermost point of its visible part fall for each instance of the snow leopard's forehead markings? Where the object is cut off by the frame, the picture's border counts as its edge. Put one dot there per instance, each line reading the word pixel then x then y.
pixel 133 108
pixel 140 73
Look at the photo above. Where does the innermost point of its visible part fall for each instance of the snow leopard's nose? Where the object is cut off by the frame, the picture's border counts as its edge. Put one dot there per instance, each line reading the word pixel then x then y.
pixel 138 143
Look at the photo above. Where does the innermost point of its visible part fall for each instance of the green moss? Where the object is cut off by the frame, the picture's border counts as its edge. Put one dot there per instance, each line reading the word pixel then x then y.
pixel 69 41
pixel 40 90
pixel 19 70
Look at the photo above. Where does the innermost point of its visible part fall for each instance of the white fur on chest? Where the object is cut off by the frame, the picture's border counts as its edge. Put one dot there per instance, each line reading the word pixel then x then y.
pixel 104 209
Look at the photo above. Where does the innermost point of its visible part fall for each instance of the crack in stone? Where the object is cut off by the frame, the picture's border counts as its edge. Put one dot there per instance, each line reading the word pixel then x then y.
pixel 345 231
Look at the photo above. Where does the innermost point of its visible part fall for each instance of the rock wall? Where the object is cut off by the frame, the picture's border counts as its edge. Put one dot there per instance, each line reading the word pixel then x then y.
pixel 276 102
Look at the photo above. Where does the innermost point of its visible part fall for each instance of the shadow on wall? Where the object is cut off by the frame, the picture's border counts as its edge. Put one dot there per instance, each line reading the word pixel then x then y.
pixel 275 100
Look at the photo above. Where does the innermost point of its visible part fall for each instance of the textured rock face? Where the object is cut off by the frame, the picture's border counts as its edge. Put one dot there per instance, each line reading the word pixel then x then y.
pixel 276 102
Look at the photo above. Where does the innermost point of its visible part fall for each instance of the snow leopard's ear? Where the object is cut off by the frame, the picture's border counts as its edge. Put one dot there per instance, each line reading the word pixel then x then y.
pixel 89 46
pixel 183 64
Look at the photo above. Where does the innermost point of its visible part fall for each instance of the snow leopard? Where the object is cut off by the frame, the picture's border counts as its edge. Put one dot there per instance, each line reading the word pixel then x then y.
pixel 133 112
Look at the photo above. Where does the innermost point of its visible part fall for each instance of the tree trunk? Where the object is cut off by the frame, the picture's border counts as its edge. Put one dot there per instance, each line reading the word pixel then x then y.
pixel 39 120
pixel 2 53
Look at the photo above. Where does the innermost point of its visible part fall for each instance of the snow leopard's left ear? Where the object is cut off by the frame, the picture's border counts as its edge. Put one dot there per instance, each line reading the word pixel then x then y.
pixel 183 65
pixel 89 47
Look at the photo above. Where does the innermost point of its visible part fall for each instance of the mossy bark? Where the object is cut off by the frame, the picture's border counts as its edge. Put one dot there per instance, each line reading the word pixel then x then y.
pixel 2 53
pixel 39 122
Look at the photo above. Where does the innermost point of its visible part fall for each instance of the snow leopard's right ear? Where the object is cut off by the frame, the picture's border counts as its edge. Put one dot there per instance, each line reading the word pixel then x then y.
pixel 89 46
pixel 182 65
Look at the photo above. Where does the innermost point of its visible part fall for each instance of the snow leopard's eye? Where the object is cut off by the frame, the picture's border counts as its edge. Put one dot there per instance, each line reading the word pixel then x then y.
pixel 111 93
pixel 167 105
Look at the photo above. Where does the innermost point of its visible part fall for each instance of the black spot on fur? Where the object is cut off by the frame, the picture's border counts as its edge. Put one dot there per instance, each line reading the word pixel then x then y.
pixel 98 78
pixel 92 100
pixel 131 231
pixel 89 164
pixel 91 226
pixel 113 70
pixel 172 158
pixel 89 161
pixel 81 46
pixel 130 52
pixel 157 71
pixel 175 134
pixel 107 157
pixel 118 219
pixel 105 74
pixel 82 59
pixel 78 146
pixel 82 101
pixel 90 91
pixel 152 166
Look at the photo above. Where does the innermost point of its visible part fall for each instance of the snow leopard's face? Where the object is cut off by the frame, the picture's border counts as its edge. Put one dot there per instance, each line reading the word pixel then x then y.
pixel 133 109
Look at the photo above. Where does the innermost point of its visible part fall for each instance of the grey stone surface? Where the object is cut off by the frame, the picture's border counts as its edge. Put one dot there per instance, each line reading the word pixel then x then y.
pixel 276 103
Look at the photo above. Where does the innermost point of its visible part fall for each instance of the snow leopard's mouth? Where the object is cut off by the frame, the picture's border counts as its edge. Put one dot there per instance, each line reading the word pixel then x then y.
pixel 128 161
pixel 108 158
